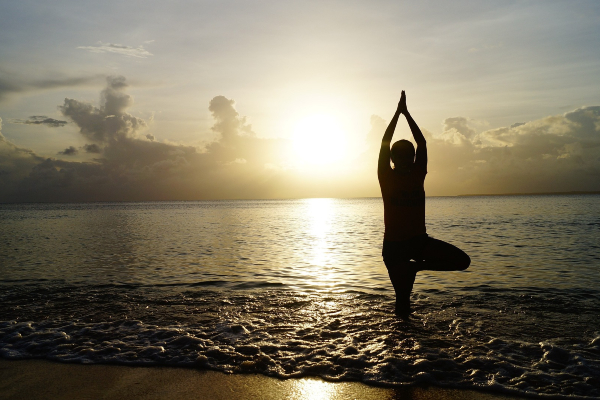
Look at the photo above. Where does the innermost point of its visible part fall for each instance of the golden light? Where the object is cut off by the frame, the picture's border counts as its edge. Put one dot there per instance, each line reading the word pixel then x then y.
pixel 318 139
pixel 319 213
pixel 318 254
pixel 316 259
pixel 311 388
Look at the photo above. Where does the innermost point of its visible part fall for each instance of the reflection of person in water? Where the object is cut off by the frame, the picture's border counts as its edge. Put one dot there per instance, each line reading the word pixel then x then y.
pixel 406 247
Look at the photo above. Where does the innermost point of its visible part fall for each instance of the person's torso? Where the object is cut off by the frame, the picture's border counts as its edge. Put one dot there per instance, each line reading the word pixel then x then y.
pixel 403 204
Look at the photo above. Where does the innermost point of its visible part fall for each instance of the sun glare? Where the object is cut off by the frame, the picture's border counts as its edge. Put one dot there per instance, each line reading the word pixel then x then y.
pixel 313 388
pixel 318 139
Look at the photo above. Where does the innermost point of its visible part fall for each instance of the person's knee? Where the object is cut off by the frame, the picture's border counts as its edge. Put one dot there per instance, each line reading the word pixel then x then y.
pixel 464 262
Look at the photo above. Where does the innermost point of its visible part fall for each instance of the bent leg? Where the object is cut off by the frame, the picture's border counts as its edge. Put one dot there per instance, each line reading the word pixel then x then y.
pixel 441 256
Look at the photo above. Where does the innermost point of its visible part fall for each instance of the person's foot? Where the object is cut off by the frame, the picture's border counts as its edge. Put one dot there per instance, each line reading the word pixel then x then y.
pixel 403 309
pixel 403 278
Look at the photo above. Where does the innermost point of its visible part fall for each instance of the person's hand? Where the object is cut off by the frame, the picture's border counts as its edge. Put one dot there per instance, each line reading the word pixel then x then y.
pixel 402 103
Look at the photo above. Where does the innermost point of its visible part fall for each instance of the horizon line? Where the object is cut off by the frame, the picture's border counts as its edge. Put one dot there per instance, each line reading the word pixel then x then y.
pixel 574 192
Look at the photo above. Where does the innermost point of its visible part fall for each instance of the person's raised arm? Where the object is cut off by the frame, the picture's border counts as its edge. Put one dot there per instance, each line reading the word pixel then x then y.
pixel 384 152
pixel 421 156
pixel 416 132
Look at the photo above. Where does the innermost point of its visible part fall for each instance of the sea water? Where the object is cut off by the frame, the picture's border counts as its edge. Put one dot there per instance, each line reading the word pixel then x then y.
pixel 292 288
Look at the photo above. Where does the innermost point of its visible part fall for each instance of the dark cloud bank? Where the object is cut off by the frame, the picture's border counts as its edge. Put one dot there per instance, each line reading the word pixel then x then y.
pixel 557 153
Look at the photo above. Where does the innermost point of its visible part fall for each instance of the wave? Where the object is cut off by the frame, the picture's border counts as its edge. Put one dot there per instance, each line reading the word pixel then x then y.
pixel 523 341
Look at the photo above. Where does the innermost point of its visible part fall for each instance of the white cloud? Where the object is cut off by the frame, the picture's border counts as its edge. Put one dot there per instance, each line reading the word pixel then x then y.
pixel 457 130
pixel 139 52
pixel 555 153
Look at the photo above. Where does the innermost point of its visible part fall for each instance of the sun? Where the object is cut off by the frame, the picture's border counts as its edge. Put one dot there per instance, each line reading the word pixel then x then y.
pixel 318 139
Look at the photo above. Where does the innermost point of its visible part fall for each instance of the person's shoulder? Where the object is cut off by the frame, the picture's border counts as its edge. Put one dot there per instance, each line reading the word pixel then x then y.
pixel 387 177
pixel 385 171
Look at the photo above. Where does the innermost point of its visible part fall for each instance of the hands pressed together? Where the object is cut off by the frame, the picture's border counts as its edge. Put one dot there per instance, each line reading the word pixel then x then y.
pixel 402 104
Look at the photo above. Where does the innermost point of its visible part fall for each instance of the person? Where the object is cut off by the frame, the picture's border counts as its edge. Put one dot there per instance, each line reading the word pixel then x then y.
pixel 407 249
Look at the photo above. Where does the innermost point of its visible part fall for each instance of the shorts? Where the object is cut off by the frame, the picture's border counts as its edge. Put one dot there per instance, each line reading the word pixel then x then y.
pixel 410 249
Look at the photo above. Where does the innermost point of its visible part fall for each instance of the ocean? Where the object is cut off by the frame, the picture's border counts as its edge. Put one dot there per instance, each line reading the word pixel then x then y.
pixel 292 288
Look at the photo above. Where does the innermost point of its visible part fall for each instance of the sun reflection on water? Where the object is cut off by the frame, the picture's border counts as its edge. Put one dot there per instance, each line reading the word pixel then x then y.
pixel 313 389
pixel 319 215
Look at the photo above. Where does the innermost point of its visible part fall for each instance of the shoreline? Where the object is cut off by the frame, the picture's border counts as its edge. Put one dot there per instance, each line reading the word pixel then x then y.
pixel 27 379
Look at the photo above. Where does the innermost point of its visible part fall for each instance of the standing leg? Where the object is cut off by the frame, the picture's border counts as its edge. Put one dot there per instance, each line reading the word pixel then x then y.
pixel 402 275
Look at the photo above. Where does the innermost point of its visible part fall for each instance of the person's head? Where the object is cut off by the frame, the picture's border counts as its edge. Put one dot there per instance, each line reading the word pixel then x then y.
pixel 403 154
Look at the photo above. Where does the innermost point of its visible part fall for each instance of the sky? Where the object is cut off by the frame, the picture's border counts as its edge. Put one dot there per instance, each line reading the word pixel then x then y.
pixel 180 100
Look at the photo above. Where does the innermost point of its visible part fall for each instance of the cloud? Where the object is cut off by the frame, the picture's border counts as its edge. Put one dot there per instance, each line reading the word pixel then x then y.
pixel 108 122
pixel 556 153
pixel 11 83
pixel 69 151
pixel 457 130
pixel 92 148
pixel 131 166
pixel 40 120
pixel 129 51
pixel 15 165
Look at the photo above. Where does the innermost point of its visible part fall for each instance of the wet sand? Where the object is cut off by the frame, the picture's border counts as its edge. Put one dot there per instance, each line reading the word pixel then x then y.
pixel 37 379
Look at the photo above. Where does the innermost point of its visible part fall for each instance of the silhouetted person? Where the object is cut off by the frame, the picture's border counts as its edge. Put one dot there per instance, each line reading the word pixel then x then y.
pixel 406 247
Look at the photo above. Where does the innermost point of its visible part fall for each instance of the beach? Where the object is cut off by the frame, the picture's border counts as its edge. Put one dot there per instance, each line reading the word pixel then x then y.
pixel 37 379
